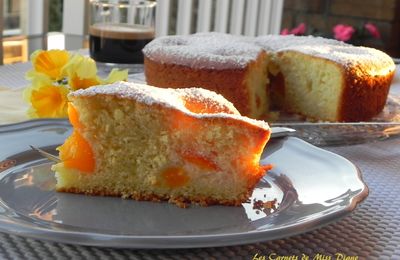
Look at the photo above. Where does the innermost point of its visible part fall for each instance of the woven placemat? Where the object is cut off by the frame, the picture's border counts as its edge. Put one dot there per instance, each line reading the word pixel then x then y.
pixel 13 76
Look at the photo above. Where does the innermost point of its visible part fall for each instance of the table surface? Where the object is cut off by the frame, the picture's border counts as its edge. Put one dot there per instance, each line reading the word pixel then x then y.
pixel 372 231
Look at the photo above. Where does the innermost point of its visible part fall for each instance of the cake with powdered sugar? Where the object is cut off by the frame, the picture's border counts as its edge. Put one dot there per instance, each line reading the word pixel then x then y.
pixel 322 79
pixel 223 63
pixel 147 143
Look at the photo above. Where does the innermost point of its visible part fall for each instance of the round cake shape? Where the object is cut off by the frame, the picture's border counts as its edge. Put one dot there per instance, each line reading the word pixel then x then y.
pixel 322 79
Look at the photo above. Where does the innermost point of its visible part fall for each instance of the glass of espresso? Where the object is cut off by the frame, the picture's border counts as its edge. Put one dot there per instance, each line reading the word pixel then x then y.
pixel 119 29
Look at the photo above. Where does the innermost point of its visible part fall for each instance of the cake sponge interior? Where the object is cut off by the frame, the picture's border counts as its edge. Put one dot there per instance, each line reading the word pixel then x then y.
pixel 150 152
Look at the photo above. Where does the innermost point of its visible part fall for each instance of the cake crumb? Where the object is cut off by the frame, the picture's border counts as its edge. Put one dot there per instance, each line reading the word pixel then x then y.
pixel 265 206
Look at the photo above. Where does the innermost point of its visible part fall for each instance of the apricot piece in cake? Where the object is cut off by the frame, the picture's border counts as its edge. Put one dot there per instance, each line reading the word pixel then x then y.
pixel 76 153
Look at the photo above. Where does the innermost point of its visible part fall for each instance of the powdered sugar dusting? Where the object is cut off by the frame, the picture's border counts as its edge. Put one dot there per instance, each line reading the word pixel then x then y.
pixel 277 43
pixel 172 98
pixel 208 98
pixel 220 51
pixel 204 50
pixel 339 52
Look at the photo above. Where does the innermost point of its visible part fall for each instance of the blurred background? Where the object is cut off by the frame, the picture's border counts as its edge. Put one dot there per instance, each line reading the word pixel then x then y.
pixel 47 24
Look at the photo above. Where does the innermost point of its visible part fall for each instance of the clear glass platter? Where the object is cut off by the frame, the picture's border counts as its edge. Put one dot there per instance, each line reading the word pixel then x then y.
pixel 325 188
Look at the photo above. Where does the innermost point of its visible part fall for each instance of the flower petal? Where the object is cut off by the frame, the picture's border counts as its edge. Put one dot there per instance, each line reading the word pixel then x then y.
pixel 75 82
pixel 84 67
pixel 343 32
pixel 373 30
pixel 48 101
pixel 299 30
pixel 285 31
pixel 116 75
pixel 50 62
pixel 82 72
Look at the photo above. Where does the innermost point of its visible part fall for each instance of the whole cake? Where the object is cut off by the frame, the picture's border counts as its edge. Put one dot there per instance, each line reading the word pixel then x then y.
pixel 321 79
pixel 147 143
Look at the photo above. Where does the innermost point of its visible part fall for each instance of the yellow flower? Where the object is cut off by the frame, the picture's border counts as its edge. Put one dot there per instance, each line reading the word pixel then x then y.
pixel 46 99
pixel 55 74
pixel 81 72
pixel 50 63
pixel 115 75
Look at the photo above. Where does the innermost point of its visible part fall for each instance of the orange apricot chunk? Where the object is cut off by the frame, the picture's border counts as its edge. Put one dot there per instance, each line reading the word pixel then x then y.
pixel 76 153
pixel 263 169
pixel 204 106
pixel 174 177
pixel 73 116
pixel 199 107
pixel 199 160
pixel 266 167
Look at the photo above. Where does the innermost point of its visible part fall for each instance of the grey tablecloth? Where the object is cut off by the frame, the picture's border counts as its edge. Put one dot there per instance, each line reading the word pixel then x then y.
pixel 372 231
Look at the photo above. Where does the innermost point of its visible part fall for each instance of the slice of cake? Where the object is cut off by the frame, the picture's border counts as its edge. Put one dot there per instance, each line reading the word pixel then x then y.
pixel 148 143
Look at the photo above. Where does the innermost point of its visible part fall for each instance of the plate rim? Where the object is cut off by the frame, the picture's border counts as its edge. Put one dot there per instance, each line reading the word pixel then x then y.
pixel 173 241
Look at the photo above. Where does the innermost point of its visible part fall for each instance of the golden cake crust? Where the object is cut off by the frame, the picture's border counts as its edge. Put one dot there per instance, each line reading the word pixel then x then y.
pixel 363 97
pixel 180 201
pixel 228 82
pixel 367 73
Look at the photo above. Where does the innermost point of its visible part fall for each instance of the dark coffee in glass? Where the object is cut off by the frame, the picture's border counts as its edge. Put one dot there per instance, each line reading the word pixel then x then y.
pixel 119 29
pixel 118 43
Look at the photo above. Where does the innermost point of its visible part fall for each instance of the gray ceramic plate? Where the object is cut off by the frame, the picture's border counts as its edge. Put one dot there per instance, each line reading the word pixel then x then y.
pixel 313 187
